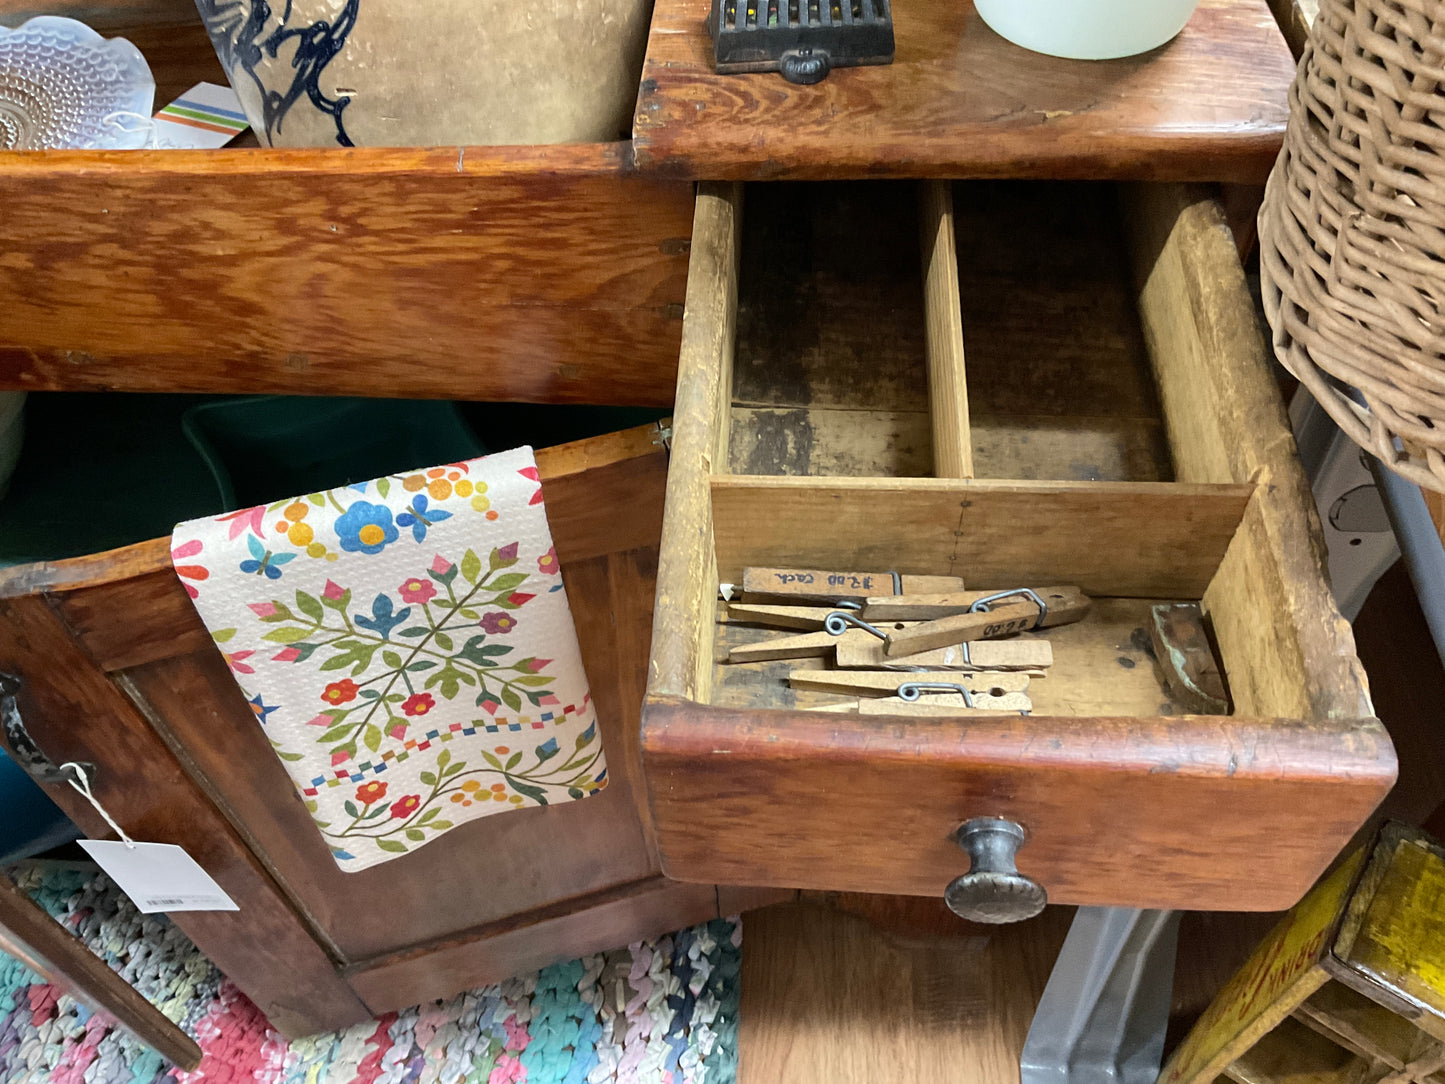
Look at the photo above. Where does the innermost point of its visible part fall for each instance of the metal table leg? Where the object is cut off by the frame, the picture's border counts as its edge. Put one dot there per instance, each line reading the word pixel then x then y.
pixel 1105 1008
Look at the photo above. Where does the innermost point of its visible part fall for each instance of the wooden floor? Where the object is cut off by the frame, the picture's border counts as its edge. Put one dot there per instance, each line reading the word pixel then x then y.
pixel 841 989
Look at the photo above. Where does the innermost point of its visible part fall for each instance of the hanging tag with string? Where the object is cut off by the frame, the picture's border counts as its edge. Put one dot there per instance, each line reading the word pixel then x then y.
pixel 156 876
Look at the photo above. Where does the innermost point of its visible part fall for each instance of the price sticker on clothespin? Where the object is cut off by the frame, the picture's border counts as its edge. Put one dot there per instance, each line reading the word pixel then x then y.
pixel 156 876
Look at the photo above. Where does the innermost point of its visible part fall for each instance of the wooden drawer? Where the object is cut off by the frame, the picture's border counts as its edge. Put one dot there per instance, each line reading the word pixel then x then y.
pixel 1126 437
pixel 543 274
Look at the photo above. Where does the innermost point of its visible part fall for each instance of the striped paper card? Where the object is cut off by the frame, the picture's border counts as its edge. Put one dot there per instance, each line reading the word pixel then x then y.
pixel 204 116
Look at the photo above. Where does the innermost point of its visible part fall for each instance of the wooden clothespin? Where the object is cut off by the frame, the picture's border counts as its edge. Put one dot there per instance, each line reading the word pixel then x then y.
pixel 820 585
pixel 1000 614
pixel 931 607
pixel 889 682
pixel 805 645
pixel 800 617
pixel 868 653
pixel 945 705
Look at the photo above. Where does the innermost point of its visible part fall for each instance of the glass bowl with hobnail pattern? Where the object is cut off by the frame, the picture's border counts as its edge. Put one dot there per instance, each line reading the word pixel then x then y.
pixel 63 86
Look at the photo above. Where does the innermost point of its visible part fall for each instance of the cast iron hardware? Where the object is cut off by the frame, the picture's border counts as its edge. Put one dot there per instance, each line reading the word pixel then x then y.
pixel 22 746
pixel 993 890
pixel 803 40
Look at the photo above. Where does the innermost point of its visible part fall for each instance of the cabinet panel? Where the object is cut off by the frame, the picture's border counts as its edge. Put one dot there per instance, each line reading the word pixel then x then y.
pixel 74 713
pixel 488 895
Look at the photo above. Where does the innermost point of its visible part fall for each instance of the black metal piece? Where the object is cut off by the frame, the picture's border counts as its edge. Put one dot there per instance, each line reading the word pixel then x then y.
pixel 801 39
pixel 993 890
pixel 22 746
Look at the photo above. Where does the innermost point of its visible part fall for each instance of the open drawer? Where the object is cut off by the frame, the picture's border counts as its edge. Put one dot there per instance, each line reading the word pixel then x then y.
pixel 1121 373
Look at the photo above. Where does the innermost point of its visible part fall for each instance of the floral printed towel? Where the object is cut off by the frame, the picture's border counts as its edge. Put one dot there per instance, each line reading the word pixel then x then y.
pixel 407 647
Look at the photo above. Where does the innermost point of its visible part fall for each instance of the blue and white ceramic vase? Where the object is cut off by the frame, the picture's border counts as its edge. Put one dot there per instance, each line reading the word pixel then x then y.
pixel 316 73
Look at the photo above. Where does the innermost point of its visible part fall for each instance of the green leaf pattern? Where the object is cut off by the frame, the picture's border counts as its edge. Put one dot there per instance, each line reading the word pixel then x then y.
pixel 416 667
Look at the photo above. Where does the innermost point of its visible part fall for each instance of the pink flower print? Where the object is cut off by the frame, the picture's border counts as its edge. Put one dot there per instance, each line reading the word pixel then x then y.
pixel 246 518
pixel 331 591
pixel 262 609
pixel 398 732
pixel 237 661
pixel 441 565
pixel 341 756
pixel 547 563
pixel 531 472
pixel 537 665
pixel 320 720
pixel 417 590
pixel 187 549
pixel 496 623
pixel 286 654
pixel 517 598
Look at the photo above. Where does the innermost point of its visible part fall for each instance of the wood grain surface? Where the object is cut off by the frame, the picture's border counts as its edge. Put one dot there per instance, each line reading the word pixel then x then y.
pixel 191 701
pixel 74 713
pixel 1156 540
pixel 1226 423
pixel 550 274
pixel 31 935
pixel 495 893
pixel 687 571
pixel 830 378
pixel 959 101
pixel 758 795
pixel 1112 805
pixel 848 989
pixel 943 323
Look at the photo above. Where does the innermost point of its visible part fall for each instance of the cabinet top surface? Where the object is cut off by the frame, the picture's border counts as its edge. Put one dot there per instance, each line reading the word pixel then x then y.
pixel 960 101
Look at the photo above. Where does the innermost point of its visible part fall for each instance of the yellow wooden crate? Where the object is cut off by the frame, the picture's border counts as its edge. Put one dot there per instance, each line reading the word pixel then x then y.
pixel 1349 988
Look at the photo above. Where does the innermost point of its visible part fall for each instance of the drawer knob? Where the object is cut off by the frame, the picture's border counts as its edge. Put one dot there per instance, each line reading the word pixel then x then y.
pixel 993 890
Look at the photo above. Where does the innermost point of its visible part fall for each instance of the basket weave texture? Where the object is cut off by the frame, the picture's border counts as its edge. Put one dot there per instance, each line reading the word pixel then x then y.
pixel 1352 229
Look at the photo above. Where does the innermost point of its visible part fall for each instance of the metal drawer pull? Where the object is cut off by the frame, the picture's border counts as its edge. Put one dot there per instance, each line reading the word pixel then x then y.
pixel 993 890
pixel 22 746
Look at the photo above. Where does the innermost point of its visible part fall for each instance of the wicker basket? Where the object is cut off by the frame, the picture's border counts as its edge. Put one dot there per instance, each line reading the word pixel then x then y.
pixel 1352 231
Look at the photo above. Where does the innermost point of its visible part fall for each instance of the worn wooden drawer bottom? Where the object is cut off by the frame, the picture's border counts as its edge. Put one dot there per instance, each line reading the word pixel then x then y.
pixel 1118 412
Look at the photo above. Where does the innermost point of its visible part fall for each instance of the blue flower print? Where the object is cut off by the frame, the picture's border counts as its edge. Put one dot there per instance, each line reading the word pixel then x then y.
pixel 382 620
pixel 264 562
pixel 419 519
pixel 366 528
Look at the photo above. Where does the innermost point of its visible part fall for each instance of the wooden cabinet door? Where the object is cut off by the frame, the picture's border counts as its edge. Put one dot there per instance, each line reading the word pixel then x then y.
pixel 117 669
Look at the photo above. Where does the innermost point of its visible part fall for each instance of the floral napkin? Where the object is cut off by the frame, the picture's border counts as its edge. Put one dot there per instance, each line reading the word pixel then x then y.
pixel 407 647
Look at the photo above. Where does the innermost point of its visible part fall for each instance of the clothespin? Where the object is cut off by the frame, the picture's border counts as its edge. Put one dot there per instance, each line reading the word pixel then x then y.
pixel 820 585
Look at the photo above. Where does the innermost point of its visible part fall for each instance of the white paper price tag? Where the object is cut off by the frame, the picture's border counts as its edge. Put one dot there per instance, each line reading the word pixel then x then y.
pixel 158 877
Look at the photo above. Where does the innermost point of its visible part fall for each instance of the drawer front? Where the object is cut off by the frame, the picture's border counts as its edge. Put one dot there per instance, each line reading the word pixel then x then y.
pixel 1124 798
pixel 542 274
